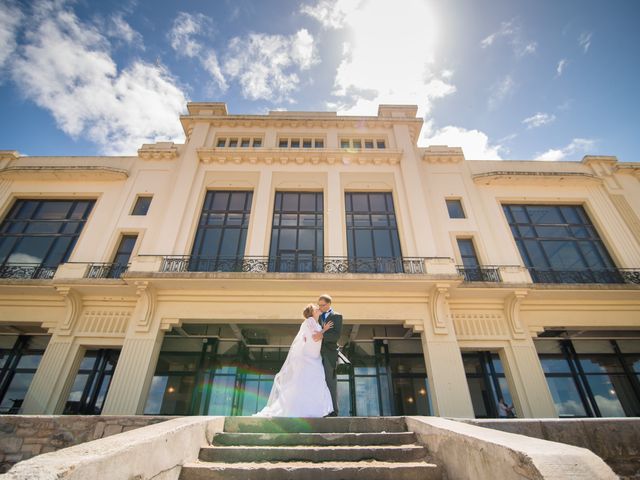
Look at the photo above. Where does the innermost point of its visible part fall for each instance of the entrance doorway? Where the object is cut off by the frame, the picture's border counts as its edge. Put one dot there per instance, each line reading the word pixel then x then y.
pixel 92 382
pixel 487 383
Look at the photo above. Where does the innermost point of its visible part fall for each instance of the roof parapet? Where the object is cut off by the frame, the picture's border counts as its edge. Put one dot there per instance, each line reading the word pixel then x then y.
pixel 442 154
pixel 397 111
pixel 207 108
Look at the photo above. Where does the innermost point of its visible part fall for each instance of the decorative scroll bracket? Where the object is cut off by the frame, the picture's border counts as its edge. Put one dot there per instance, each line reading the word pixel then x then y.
pixel 145 307
pixel 512 311
pixel 73 303
pixel 440 313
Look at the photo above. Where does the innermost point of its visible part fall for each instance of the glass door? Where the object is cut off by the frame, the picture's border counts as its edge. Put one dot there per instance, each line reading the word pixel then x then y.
pixel 92 382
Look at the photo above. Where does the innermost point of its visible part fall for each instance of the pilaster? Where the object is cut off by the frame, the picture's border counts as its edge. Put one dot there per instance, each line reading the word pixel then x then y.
pixel 530 393
pixel 53 377
pixel 447 380
pixel 335 225
pixel 257 240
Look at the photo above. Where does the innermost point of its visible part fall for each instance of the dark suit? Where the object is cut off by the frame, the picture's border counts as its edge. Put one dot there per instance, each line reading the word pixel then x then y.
pixel 329 354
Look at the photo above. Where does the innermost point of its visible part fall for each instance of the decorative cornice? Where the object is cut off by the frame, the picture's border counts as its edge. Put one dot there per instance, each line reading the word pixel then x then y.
pixel 300 156
pixel 442 154
pixel 73 303
pixel 512 310
pixel 9 155
pixel 63 172
pixel 631 168
pixel 158 151
pixel 511 177
pixel 439 308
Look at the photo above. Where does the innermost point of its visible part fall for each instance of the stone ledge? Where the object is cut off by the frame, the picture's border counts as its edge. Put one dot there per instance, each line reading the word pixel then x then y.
pixel 471 452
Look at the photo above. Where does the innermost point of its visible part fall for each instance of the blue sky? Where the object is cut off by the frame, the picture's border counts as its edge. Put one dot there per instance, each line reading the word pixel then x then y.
pixel 504 79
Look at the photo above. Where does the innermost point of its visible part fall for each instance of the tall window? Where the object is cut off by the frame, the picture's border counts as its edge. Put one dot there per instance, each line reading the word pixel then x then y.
pixel 592 378
pixel 372 233
pixel 19 360
pixel 38 235
pixel 487 383
pixel 120 262
pixel 297 232
pixel 222 232
pixel 92 382
pixel 559 244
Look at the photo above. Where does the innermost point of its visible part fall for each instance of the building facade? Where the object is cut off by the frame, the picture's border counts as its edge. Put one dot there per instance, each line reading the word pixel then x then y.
pixel 173 282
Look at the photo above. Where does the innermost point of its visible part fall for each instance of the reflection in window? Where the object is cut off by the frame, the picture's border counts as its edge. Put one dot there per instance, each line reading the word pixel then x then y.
pixel 487 383
pixel 19 359
pixel 41 232
pixel 559 244
pixel 222 232
pixel 92 382
pixel 590 384
pixel 297 233
pixel 373 243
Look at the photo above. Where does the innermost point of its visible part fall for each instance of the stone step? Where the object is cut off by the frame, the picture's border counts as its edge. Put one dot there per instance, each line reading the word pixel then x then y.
pixel 314 425
pixel 315 454
pixel 326 439
pixel 312 471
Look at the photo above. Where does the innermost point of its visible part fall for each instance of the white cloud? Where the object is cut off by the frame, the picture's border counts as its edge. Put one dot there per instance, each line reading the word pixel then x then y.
pixel 10 19
pixel 331 13
pixel 211 65
pixel 512 32
pixel 561 66
pixel 474 143
pixel 265 65
pixel 65 67
pixel 584 40
pixel 119 29
pixel 577 145
pixel 185 27
pixel 500 91
pixel 385 61
pixel 538 120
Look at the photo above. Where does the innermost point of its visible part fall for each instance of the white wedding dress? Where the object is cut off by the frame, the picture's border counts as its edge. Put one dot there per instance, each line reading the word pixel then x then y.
pixel 299 389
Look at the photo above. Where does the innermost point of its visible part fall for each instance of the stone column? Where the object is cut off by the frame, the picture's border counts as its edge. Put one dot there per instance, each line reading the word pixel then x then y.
pixel 447 380
pixel 53 377
pixel 531 393
pixel 257 242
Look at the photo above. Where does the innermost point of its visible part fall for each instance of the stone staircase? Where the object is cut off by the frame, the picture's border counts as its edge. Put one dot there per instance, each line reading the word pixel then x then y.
pixel 313 448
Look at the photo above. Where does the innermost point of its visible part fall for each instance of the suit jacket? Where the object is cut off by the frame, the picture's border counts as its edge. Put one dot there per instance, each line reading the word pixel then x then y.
pixel 331 336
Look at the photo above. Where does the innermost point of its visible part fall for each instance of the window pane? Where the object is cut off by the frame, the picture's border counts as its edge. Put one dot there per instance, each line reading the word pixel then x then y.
pixel 544 214
pixel 221 142
pixel 454 208
pixel 363 243
pixel 283 143
pixel 377 201
pixel 220 201
pixel 605 395
pixel 382 243
pixel 142 206
pixel 563 255
pixel 566 397
pixel 53 210
pixel 295 143
pixel 557 364
pixel 12 400
pixel 31 250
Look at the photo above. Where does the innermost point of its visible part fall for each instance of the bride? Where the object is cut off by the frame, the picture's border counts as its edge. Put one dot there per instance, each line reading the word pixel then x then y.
pixel 299 389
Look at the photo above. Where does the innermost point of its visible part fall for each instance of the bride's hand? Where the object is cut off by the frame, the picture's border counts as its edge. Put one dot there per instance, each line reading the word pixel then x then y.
pixel 327 326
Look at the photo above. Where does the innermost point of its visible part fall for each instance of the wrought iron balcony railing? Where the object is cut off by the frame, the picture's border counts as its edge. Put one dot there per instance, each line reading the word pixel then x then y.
pixel 311 264
pixel 27 271
pixel 618 275
pixel 106 270
pixel 479 274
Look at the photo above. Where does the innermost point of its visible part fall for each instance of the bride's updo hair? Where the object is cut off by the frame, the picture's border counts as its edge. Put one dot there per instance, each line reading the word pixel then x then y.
pixel 308 311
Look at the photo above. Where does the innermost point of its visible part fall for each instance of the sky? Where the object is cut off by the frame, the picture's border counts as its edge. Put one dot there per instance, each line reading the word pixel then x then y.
pixel 504 79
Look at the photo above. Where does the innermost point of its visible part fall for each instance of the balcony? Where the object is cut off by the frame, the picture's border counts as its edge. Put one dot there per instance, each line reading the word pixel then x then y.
pixel 299 264
pixel 479 274
pixel 106 270
pixel 619 275
pixel 27 271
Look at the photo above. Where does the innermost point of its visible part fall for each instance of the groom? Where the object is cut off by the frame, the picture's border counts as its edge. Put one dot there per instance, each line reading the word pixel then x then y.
pixel 329 349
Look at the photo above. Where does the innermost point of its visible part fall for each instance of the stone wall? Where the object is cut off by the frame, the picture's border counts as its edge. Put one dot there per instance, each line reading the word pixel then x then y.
pixel 615 440
pixel 25 436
